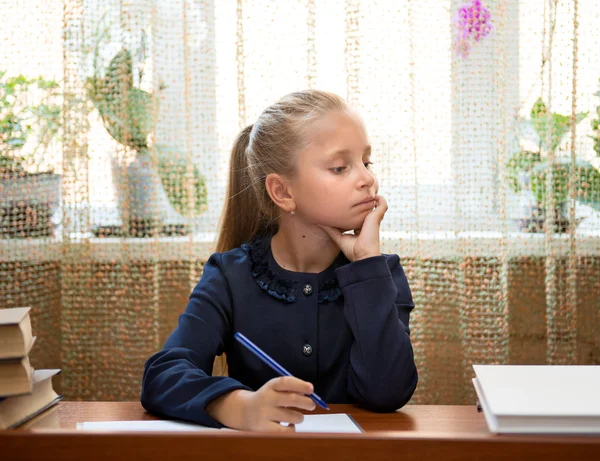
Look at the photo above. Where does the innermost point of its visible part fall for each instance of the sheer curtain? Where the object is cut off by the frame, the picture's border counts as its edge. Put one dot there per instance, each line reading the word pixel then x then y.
pixel 153 94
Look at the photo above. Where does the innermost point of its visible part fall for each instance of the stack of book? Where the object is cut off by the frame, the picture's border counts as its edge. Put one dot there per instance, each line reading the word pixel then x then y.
pixel 24 392
pixel 539 399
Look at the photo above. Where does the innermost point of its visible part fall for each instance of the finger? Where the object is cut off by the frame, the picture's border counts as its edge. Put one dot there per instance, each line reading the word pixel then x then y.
pixel 381 206
pixel 285 415
pixel 381 202
pixel 292 384
pixel 274 426
pixel 293 400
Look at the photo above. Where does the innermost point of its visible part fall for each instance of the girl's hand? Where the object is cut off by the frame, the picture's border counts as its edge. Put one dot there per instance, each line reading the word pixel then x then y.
pixel 275 402
pixel 365 241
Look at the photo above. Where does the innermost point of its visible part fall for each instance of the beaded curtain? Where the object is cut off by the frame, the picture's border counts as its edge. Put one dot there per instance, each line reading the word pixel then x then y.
pixel 116 121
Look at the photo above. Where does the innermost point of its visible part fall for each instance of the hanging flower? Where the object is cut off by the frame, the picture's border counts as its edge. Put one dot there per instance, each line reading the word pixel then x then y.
pixel 473 22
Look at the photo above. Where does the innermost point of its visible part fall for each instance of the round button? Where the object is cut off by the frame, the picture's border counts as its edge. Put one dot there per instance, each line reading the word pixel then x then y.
pixel 307 290
pixel 307 349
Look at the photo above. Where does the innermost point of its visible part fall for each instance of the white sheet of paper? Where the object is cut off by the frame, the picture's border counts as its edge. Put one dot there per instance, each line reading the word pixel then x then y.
pixel 143 426
pixel 333 423
pixel 337 422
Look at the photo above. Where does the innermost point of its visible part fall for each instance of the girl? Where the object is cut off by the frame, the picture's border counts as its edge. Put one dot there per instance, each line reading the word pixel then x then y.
pixel 324 303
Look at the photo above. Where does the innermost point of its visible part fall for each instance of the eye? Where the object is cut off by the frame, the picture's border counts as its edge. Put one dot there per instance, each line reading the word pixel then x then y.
pixel 338 169
pixel 368 165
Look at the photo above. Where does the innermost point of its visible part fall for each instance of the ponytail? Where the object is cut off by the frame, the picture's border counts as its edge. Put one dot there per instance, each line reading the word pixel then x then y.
pixel 239 223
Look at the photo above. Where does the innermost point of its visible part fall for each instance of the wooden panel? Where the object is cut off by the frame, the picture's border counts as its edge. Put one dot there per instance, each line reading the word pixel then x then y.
pixel 100 321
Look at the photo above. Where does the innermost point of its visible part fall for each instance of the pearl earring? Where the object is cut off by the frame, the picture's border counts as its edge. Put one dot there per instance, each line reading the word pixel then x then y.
pixel 292 212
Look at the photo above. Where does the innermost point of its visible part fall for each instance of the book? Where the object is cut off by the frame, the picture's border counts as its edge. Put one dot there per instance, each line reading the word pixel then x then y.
pixel 16 338
pixel 48 419
pixel 15 377
pixel 16 410
pixel 538 399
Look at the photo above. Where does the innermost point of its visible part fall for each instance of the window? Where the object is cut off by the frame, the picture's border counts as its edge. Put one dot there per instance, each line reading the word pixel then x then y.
pixel 440 124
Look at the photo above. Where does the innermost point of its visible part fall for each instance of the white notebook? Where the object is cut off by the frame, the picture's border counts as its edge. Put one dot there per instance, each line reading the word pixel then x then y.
pixel 337 423
pixel 539 398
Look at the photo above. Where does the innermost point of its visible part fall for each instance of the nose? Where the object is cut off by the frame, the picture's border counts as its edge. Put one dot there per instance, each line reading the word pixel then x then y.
pixel 366 178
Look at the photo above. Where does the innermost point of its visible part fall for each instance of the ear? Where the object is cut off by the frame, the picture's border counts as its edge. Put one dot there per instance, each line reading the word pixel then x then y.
pixel 278 189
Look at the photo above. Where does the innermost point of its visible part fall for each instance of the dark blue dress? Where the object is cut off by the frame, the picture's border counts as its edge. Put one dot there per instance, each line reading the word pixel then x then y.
pixel 345 330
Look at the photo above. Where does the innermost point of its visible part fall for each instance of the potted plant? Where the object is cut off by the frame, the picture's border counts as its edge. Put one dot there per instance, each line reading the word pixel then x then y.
pixel 160 179
pixel 29 190
pixel 528 171
pixel 587 186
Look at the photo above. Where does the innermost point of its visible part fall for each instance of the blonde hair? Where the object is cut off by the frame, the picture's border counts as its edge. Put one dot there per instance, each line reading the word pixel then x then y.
pixel 268 146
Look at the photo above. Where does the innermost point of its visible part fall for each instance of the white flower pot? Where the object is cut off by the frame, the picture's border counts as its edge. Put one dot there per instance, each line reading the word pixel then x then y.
pixel 27 204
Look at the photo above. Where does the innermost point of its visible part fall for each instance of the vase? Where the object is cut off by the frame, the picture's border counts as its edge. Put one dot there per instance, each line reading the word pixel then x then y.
pixel 27 203
pixel 143 204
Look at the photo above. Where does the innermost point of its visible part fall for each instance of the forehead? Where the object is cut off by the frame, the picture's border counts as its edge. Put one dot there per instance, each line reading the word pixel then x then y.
pixel 339 130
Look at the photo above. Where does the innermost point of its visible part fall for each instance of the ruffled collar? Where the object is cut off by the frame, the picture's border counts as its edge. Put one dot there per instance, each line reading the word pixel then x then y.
pixel 279 282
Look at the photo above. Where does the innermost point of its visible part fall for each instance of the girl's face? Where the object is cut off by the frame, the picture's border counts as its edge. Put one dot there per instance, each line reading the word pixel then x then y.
pixel 334 185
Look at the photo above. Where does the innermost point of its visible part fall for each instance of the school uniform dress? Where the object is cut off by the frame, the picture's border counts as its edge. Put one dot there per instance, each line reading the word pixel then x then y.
pixel 346 330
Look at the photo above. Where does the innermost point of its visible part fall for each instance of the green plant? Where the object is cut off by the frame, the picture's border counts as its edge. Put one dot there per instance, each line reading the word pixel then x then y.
pixel 522 161
pixel 552 126
pixel 125 110
pixel 127 113
pixel 596 126
pixel 20 119
pixel 587 181
pixel 176 176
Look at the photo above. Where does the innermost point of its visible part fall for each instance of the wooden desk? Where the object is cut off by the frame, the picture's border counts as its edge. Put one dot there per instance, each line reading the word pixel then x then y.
pixel 419 432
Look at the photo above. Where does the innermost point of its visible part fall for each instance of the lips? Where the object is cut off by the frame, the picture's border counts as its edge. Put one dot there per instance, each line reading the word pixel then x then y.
pixel 366 201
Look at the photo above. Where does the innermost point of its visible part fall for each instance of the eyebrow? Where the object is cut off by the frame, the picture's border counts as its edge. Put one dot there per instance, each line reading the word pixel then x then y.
pixel 345 152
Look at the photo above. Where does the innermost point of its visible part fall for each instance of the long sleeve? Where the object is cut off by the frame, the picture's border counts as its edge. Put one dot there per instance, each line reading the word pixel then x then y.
pixel 382 375
pixel 177 381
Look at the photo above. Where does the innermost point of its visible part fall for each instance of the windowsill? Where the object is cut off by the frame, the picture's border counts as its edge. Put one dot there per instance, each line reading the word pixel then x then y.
pixel 428 245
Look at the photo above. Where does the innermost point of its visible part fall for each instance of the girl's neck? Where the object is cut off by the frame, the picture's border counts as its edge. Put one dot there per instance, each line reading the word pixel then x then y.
pixel 299 247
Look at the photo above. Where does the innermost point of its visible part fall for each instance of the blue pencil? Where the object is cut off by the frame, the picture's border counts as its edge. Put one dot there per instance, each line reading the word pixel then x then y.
pixel 273 364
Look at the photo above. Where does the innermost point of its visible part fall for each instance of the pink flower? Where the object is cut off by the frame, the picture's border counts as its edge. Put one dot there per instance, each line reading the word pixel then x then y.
pixel 473 21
